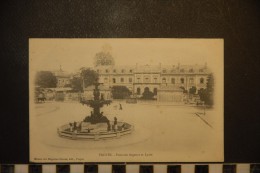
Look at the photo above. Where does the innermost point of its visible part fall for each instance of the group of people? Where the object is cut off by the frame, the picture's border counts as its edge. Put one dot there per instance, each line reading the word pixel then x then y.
pixel 75 126
pixel 114 126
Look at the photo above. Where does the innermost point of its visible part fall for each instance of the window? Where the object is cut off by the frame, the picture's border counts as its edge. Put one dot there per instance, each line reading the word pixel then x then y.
pixel 182 80
pixel 182 70
pixel 131 71
pixel 114 80
pixel 107 70
pixel 191 80
pixel 114 70
pixel 191 70
pixel 138 91
pixel 130 80
pixel 105 80
pixel 164 71
pixel 155 80
pixel 155 91
pixel 201 80
pixel 173 81
pixel 138 80
pixel 146 80
pixel 97 70
pixel 201 70
pixel 163 80
pixel 122 70
pixel 122 79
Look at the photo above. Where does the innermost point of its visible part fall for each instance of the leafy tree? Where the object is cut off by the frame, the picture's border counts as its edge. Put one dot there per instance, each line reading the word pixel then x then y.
pixel 120 92
pixel 206 95
pixel 88 77
pixel 183 89
pixel 76 84
pixel 193 90
pixel 147 94
pixel 45 79
pixel 103 58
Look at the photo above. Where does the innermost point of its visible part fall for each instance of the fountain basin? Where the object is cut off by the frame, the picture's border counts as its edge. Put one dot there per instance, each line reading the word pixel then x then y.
pixel 96 131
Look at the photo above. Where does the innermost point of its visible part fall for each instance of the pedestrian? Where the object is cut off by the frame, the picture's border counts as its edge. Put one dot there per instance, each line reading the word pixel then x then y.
pixel 108 126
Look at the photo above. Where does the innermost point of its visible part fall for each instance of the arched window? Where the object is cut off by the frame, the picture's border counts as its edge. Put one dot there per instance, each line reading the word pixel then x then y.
pixel 114 80
pixel 122 80
pixel 155 91
pixel 182 80
pixel 164 80
pixel 201 80
pixel 138 91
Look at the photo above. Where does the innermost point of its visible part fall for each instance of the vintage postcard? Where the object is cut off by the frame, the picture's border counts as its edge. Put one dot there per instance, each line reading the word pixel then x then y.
pixel 126 100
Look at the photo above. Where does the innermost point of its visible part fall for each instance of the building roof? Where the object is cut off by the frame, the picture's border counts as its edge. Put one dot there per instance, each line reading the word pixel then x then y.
pixel 164 69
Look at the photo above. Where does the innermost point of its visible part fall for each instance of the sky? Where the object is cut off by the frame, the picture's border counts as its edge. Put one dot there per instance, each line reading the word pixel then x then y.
pixel 72 54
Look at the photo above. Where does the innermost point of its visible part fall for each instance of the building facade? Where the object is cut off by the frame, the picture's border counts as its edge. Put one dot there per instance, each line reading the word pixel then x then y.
pixel 154 78
pixel 63 78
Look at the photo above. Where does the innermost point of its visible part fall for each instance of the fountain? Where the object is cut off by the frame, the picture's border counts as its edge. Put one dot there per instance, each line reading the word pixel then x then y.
pixel 96 126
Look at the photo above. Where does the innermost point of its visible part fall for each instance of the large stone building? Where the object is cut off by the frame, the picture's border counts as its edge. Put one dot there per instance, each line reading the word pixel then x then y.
pixel 159 78
pixel 63 78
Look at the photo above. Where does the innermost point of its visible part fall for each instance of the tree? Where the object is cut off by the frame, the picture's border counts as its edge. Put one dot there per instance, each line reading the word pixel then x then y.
pixel 103 58
pixel 193 90
pixel 183 89
pixel 45 79
pixel 206 95
pixel 88 77
pixel 76 84
pixel 147 94
pixel 120 92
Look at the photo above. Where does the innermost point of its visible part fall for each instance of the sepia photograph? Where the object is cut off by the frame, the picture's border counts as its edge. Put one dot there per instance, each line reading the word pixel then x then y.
pixel 126 100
